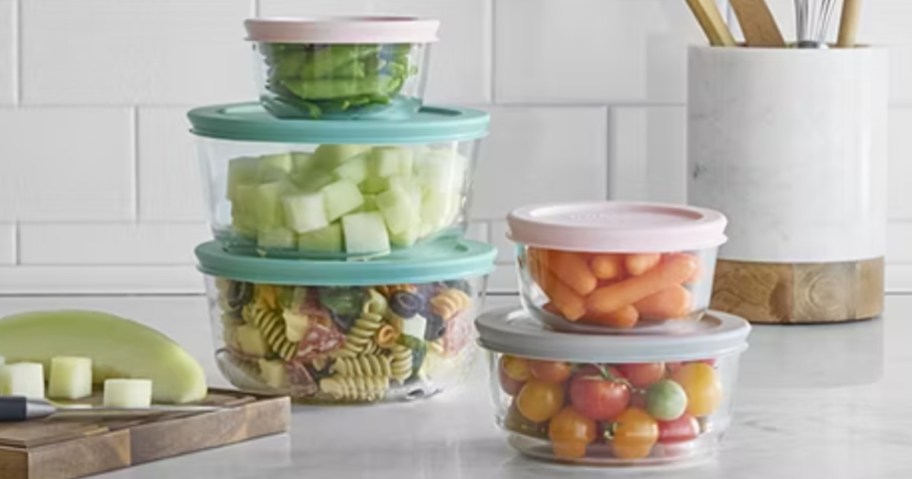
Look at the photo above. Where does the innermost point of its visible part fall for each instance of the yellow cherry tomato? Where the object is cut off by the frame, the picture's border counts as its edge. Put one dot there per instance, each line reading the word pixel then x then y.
pixel 539 401
pixel 570 432
pixel 634 434
pixel 703 387
pixel 515 368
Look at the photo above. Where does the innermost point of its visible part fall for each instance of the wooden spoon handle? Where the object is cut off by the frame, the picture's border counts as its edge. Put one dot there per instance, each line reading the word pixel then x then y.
pixel 707 13
pixel 848 25
pixel 758 24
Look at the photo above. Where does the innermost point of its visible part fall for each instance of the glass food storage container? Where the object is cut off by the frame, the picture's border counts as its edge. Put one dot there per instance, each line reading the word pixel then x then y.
pixel 342 67
pixel 616 267
pixel 397 328
pixel 612 400
pixel 335 190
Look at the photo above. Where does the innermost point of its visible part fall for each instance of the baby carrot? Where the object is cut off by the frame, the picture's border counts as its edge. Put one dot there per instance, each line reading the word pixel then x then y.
pixel 670 303
pixel 698 273
pixel 623 318
pixel 673 271
pixel 572 269
pixel 639 263
pixel 606 266
pixel 571 305
pixel 551 308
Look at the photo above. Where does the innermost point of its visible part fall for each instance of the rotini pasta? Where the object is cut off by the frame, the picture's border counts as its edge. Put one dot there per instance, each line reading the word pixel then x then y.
pixel 363 366
pixel 360 337
pixel 389 289
pixel 347 388
pixel 265 296
pixel 376 303
pixel 436 347
pixel 271 324
pixel 386 336
pixel 401 363
pixel 450 302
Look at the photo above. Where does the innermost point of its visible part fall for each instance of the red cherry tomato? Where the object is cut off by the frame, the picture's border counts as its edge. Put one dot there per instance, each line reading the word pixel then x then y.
pixel 642 375
pixel 550 371
pixel 684 428
pixel 709 362
pixel 598 397
pixel 673 367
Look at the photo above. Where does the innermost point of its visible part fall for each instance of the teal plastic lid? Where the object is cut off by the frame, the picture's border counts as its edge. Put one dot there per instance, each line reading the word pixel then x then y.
pixel 442 260
pixel 250 122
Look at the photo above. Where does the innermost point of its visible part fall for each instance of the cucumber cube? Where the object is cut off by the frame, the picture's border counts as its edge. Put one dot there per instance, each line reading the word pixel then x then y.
pixel 243 210
pixel 388 161
pixel 268 206
pixel 406 238
pixel 305 212
pixel 328 157
pixel 301 161
pixel 438 210
pixel 273 167
pixel 370 204
pixel 399 210
pixel 365 233
pixel 128 393
pixel 241 171
pixel 251 341
pixel 328 239
pixel 22 379
pixel 340 198
pixel 374 184
pixel 314 180
pixel 442 170
pixel 274 373
pixel 354 169
pixel 70 377
pixel 276 237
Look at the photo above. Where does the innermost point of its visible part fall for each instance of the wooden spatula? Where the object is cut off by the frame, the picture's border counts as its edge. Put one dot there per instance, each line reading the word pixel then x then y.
pixel 848 26
pixel 758 24
pixel 707 13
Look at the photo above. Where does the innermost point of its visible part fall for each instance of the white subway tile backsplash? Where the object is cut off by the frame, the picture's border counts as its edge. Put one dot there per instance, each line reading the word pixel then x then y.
pixel 169 178
pixel 65 164
pixel 478 231
pixel 592 51
pixel 105 52
pixel 541 154
pixel 900 167
pixel 505 247
pixel 648 154
pixel 899 240
pixel 460 61
pixel 100 279
pixel 8 52
pixel 110 243
pixel 7 243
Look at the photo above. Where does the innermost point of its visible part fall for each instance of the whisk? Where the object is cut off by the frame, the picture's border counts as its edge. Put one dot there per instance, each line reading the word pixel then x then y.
pixel 813 19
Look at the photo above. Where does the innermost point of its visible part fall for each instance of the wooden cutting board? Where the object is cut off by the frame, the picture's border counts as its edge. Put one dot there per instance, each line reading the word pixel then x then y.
pixel 61 448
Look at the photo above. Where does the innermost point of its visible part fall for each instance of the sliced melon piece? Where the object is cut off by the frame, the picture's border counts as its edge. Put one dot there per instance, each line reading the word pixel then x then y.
pixel 268 205
pixel 328 157
pixel 22 379
pixel 436 209
pixel 305 212
pixel 128 393
pixel 399 210
pixel 301 161
pixel 328 239
pixel 374 184
pixel 119 348
pixel 340 198
pixel 443 170
pixel 276 237
pixel 274 373
pixel 274 167
pixel 370 204
pixel 252 341
pixel 365 233
pixel 406 238
pixel 314 180
pixel 353 169
pixel 386 161
pixel 241 171
pixel 70 377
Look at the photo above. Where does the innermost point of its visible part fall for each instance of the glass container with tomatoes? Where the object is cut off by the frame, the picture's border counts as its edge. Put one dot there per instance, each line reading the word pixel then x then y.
pixel 613 399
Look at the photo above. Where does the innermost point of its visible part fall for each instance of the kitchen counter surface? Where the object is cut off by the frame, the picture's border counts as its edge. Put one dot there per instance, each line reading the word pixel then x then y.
pixel 812 402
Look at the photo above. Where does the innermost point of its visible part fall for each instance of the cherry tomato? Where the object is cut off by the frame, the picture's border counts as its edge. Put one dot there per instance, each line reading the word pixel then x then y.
pixel 634 434
pixel 508 384
pixel 570 432
pixel 538 401
pixel 642 375
pixel 516 368
pixel 550 371
pixel 666 400
pixel 673 367
pixel 703 388
pixel 514 421
pixel 684 428
pixel 711 362
pixel 638 399
pixel 598 397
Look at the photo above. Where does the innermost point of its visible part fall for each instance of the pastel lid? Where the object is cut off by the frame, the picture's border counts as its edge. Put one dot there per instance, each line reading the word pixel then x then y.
pixel 446 259
pixel 511 330
pixel 250 122
pixel 616 226
pixel 334 30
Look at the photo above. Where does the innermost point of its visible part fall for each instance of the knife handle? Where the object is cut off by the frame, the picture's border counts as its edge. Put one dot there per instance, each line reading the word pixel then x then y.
pixel 13 408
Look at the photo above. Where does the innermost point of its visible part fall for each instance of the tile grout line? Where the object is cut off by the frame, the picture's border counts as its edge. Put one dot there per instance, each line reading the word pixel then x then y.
pixel 17 52
pixel 17 243
pixel 134 143
pixel 611 138
pixel 255 4
pixel 492 50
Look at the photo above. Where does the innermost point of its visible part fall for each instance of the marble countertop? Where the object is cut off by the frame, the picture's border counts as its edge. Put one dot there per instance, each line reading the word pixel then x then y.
pixel 829 402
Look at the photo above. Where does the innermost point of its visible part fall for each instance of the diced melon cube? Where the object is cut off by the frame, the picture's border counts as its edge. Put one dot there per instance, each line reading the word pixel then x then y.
pixel 22 379
pixel 243 209
pixel 437 207
pixel 386 161
pixel 328 157
pixel 128 393
pixel 251 341
pixel 273 167
pixel 408 184
pixel 305 212
pixel 274 373
pixel 374 184
pixel 70 377
pixel 241 171
pixel 314 180
pixel 406 238
pixel 340 198
pixel 328 239
pixel 353 169
pixel 365 233
pixel 442 170
pixel 268 206
pixel 301 161
pixel 399 209
pixel 276 237
pixel 370 204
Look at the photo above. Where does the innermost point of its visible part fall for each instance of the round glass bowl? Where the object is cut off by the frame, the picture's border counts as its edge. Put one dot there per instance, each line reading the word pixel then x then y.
pixel 612 400
pixel 342 68
pixel 397 328
pixel 335 190
pixel 615 267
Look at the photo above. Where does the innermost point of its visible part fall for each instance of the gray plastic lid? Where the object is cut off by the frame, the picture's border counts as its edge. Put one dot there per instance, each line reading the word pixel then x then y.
pixel 511 330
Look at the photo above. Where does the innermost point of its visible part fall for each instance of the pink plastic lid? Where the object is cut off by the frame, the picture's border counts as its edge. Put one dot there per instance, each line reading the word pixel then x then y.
pixel 615 226
pixel 323 30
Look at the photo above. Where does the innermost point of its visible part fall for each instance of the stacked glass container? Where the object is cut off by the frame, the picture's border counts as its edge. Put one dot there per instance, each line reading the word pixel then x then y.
pixel 338 202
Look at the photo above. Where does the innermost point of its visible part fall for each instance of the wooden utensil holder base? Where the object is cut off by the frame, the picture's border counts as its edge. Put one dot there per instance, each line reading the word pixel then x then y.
pixel 800 293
